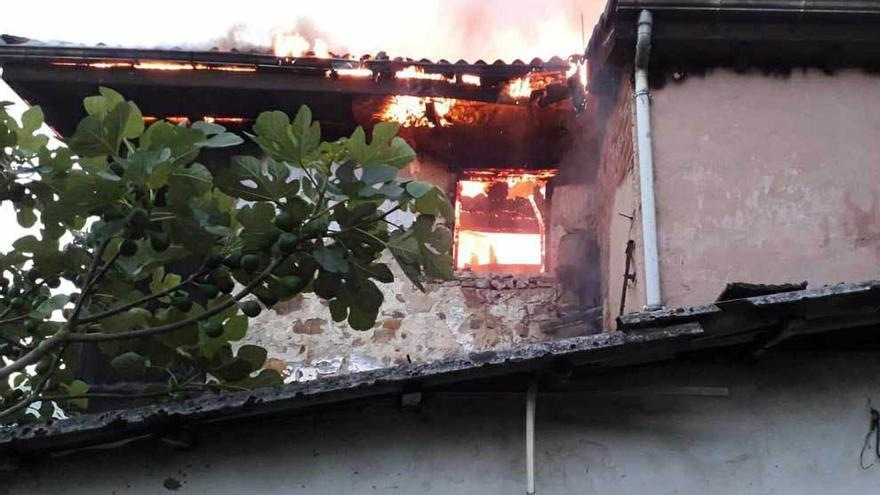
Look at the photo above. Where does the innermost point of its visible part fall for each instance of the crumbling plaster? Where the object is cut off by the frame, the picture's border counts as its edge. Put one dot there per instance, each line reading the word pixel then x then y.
pixel 471 313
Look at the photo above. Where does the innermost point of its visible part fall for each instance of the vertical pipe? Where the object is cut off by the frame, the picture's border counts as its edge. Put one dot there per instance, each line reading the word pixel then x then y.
pixel 531 398
pixel 646 162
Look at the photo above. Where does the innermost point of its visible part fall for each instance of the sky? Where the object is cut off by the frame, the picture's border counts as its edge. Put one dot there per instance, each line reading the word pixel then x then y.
pixel 434 29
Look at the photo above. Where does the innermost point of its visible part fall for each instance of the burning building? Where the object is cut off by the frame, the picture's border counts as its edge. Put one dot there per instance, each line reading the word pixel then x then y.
pixel 510 142
pixel 696 217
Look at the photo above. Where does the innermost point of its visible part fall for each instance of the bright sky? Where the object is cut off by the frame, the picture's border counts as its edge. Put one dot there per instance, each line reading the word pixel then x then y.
pixel 451 29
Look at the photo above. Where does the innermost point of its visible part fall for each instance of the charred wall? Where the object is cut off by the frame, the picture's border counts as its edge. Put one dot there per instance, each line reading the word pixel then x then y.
pixel 599 188
pixel 476 311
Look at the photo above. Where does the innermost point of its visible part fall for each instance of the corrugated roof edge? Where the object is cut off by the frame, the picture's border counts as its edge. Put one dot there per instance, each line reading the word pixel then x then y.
pixel 31 50
pixel 645 337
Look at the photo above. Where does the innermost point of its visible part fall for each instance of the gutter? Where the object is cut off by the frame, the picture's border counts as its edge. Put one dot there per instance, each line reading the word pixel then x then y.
pixel 646 162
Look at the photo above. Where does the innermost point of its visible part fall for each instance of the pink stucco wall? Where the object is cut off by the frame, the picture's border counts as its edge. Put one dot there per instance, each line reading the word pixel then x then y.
pixel 766 179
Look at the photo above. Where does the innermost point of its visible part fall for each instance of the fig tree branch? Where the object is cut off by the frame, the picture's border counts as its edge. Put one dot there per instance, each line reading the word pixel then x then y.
pixel 147 332
pixel 46 346
pixel 34 394
pixel 140 302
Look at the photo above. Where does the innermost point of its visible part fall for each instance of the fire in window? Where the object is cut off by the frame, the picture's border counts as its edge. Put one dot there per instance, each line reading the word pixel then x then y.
pixel 500 221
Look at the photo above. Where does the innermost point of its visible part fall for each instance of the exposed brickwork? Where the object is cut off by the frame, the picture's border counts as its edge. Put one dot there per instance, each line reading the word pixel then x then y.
pixel 473 313
pixel 615 178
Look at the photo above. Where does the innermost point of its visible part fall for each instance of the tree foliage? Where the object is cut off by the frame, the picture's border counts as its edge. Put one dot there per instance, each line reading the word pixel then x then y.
pixel 169 260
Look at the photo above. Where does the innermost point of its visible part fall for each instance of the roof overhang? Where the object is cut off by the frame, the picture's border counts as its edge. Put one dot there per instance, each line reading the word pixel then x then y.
pixel 750 325
pixel 194 84
pixel 772 35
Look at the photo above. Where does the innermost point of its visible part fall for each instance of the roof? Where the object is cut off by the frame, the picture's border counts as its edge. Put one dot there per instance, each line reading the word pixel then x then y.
pixel 31 48
pixel 751 325
pixel 236 86
pixel 774 35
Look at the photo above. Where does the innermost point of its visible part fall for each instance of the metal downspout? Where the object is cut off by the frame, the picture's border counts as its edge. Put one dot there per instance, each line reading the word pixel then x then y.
pixel 646 161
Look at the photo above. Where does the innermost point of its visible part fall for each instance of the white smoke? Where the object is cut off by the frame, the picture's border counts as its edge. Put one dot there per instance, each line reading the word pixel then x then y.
pixel 434 29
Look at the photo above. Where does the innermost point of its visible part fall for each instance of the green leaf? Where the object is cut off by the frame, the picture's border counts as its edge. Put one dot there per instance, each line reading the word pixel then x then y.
pixel 251 180
pixel 55 162
pixel 182 141
pixel 259 232
pixel 272 126
pixel 129 365
pixel 284 141
pixel 148 167
pixel 98 135
pixel 77 388
pixel 362 320
pixel 379 271
pixel 27 244
pixel 112 97
pixel 209 128
pixel 378 173
pixel 235 328
pixel 223 140
pixel 357 147
pixel 399 154
pixel 237 369
pixel 32 119
pixel 134 126
pixel 306 134
pixel 45 309
pixel 434 202
pixel 404 245
pixel 383 132
pixel 253 354
pixel 162 281
pixel 327 285
pixel 25 216
pixel 417 189
pixel 197 175
pixel 331 259
pixel 95 105
pixel 86 192
pixel 338 310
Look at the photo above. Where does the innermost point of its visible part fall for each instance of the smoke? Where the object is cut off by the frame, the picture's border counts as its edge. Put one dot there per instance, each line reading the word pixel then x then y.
pixel 433 29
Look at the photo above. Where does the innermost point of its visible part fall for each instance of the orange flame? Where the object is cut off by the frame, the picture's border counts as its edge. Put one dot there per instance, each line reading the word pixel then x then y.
pixel 163 66
pixel 157 65
pixel 211 119
pixel 523 87
pixel 413 111
pixel 357 72
pixel 578 69
pixel 111 65
pixel 518 88
pixel 295 45
pixel 505 249
pixel 227 68
pixel 413 72
pixel 471 79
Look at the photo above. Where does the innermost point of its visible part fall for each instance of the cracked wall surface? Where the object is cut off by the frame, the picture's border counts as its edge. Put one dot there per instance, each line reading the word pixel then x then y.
pixel 471 313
